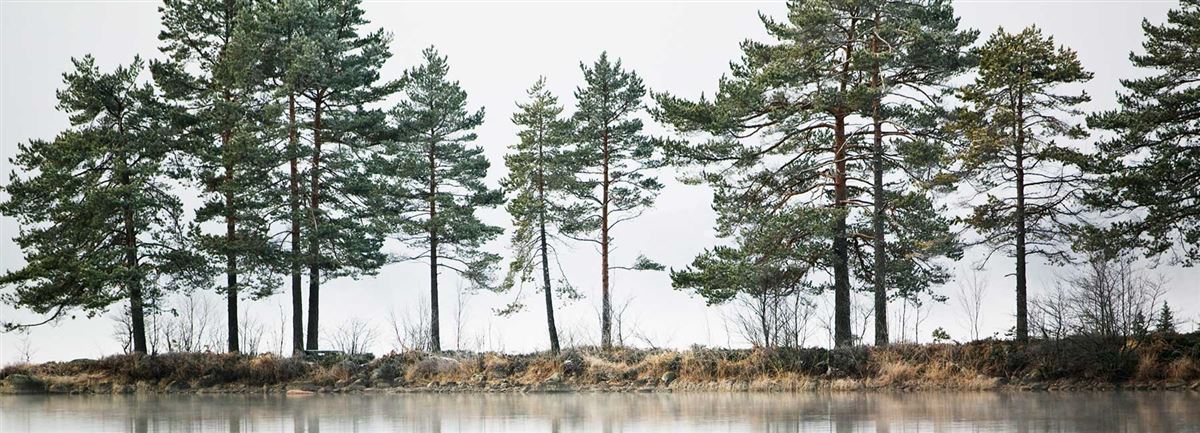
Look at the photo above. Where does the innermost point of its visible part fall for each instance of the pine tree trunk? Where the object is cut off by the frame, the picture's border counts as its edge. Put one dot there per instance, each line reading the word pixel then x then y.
pixel 554 347
pixel 231 282
pixel 314 248
pixel 763 306
pixel 136 313
pixel 137 317
pixel 294 185
pixel 1022 311
pixel 881 328
pixel 842 334
pixel 881 300
pixel 435 341
pixel 605 303
pixel 545 252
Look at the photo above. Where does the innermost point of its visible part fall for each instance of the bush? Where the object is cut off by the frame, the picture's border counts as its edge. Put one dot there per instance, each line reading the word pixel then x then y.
pixel 1090 358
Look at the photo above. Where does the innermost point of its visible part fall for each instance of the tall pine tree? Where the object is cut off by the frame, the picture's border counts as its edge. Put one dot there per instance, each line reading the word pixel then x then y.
pixel 615 161
pixel 227 128
pixel 99 222
pixel 277 32
pixel 333 71
pixel 913 50
pixel 1152 163
pixel 435 180
pixel 541 180
pixel 782 129
pixel 1015 113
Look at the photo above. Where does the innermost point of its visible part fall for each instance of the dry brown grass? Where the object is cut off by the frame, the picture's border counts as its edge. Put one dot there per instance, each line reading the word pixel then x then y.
pixel 1183 369
pixel 892 373
pixel 974 366
pixel 654 366
pixel 599 369
pixel 696 366
pixel 540 369
pixel 326 377
pixel 435 369
pixel 496 366
pixel 1147 367
pixel 790 382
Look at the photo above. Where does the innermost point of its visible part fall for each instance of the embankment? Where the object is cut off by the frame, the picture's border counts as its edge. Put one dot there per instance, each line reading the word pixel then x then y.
pixel 1157 362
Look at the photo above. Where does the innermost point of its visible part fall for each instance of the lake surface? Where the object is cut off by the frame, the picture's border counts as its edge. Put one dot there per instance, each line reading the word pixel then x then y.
pixel 731 412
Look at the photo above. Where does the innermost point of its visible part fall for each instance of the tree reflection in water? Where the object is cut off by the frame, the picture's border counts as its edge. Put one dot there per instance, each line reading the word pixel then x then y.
pixel 749 412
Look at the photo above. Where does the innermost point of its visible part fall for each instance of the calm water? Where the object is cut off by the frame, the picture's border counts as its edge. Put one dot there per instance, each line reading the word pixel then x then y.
pixel 838 412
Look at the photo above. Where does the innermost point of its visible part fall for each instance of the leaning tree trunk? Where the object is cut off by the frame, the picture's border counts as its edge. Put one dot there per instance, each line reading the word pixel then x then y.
pixel 545 253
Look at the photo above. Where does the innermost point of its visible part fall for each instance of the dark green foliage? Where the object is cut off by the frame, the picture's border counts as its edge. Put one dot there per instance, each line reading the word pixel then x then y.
pixel 332 68
pixel 912 52
pixel 940 335
pixel 540 182
pixel 615 160
pixel 1009 151
pixel 793 97
pixel 226 122
pixel 434 180
pixel 784 140
pixel 1082 357
pixel 918 238
pixel 275 31
pixel 1151 163
pixel 767 268
pixel 99 221
pixel 1166 321
pixel 1140 326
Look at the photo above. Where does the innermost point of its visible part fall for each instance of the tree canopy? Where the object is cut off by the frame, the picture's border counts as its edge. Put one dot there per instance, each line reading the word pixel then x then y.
pixel 1151 162
pixel 438 180
pixel 100 223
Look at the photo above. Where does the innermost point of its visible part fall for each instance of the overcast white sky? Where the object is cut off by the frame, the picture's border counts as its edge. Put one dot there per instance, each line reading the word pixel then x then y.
pixel 496 50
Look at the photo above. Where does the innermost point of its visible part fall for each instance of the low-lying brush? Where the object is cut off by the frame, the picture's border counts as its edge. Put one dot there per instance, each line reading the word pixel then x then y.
pixel 977 365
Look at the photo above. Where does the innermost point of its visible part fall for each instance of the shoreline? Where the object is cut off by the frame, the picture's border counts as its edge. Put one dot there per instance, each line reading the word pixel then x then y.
pixel 1169 363
pixel 835 386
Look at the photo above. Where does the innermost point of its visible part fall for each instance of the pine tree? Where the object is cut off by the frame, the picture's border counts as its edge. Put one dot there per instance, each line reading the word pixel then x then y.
pixel 276 32
pixel 1140 328
pixel 769 262
pixel 437 180
pixel 228 122
pixel 540 181
pixel 1150 164
pixel 99 222
pixel 615 161
pixel 1165 325
pixel 333 71
pixel 913 50
pixel 919 239
pixel 1014 116
pixel 798 97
